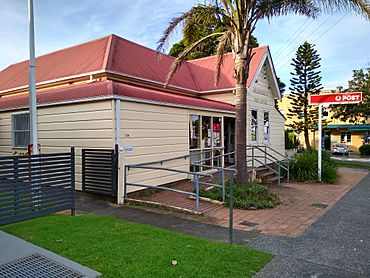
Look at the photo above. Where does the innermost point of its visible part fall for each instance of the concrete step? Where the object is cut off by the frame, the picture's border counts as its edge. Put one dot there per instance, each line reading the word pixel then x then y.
pixel 272 179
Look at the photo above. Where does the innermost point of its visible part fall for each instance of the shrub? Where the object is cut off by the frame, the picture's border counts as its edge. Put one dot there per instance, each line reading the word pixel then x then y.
pixel 303 167
pixel 365 150
pixel 250 196
pixel 291 140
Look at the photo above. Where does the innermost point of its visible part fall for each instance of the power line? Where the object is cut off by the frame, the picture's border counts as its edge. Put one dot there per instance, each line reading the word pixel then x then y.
pixel 339 20
pixel 322 34
pixel 293 37
pixel 307 37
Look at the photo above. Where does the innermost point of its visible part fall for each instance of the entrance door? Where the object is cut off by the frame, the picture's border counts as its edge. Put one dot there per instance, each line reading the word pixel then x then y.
pixel 326 140
pixel 229 140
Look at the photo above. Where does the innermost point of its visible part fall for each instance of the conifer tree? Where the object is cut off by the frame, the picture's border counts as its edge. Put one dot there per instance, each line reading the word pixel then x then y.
pixel 306 81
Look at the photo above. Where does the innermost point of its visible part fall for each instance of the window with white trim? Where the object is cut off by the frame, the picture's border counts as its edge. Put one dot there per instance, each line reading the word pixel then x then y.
pixel 254 126
pixel 20 130
pixel 345 137
pixel 266 126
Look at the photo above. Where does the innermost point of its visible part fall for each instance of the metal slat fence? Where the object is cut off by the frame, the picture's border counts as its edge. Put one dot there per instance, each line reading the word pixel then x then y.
pixel 100 171
pixel 37 185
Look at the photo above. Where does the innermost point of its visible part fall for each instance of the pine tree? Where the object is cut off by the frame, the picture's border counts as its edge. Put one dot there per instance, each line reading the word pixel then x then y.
pixel 306 81
pixel 356 113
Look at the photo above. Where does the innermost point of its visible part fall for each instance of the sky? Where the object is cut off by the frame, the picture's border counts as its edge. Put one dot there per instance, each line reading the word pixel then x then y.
pixel 342 39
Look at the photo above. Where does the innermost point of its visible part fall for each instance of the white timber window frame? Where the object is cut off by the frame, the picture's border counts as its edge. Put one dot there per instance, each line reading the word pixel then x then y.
pixel 254 125
pixel 20 129
pixel 266 126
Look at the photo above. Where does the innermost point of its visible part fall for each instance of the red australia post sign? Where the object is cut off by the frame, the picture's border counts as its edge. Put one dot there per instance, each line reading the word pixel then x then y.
pixel 341 98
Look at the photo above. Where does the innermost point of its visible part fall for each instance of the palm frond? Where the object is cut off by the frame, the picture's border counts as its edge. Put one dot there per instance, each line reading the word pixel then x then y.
pixel 224 40
pixel 361 7
pixel 270 8
pixel 198 15
pixel 181 58
pixel 163 41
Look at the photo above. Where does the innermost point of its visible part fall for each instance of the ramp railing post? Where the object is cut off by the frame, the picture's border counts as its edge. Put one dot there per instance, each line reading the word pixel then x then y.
pixel 231 216
pixel 223 185
pixel 279 176
pixel 196 181
pixel 73 197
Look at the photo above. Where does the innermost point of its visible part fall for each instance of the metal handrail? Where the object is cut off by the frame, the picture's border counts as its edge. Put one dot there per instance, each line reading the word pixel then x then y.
pixel 213 157
pixel 268 147
pixel 259 156
pixel 168 169
pixel 175 158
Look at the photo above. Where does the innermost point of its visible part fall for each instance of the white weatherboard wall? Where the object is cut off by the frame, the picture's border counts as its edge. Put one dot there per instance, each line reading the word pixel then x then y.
pixel 156 132
pixel 262 99
pixel 84 125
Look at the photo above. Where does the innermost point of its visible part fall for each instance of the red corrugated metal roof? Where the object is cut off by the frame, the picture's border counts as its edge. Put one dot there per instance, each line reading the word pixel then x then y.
pixel 204 70
pixel 70 61
pixel 156 95
pixel 117 54
pixel 109 88
pixel 139 61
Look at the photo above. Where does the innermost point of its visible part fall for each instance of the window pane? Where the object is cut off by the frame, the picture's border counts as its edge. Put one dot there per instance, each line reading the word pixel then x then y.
pixel 254 126
pixel 349 137
pixel 194 138
pixel 21 122
pixel 216 132
pixel 266 126
pixel 21 130
pixel 217 161
pixel 195 156
pixel 206 155
pixel 206 132
pixel 21 138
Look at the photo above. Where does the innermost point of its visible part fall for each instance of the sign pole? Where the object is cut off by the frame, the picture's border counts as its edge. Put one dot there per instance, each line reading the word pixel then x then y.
pixel 32 81
pixel 341 98
pixel 320 144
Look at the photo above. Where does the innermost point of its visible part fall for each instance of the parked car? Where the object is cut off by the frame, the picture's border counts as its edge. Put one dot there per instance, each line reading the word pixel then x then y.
pixel 341 149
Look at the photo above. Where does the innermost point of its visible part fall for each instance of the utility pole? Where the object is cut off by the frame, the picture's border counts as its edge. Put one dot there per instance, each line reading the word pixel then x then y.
pixel 32 80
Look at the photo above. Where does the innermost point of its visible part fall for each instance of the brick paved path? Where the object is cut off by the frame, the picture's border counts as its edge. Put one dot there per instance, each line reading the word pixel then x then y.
pixel 301 205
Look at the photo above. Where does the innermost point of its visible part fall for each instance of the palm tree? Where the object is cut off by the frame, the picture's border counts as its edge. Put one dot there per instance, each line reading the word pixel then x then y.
pixel 240 18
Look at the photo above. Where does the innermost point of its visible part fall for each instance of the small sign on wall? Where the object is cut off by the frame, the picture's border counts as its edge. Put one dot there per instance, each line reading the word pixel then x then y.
pixel 129 149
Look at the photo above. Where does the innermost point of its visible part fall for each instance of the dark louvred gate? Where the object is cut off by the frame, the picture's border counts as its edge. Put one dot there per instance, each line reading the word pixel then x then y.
pixel 100 171
pixel 36 185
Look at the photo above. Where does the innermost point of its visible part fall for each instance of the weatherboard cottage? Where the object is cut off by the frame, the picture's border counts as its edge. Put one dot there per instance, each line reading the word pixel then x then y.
pixel 110 91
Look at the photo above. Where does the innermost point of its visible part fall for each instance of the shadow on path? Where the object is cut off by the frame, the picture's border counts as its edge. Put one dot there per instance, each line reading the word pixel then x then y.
pixel 337 245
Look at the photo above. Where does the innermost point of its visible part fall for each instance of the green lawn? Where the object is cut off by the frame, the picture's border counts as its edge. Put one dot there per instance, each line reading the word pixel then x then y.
pixel 119 248
pixel 353 164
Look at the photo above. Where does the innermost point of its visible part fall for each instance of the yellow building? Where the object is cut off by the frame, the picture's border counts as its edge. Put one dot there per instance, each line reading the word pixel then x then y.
pixel 335 131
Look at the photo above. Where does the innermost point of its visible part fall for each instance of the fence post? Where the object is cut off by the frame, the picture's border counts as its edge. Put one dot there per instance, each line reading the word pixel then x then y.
pixel 15 182
pixel 196 181
pixel 231 216
pixel 73 199
pixel 83 170
pixel 115 169
pixel 279 173
pixel 124 184
pixel 253 157
pixel 223 185
pixel 265 155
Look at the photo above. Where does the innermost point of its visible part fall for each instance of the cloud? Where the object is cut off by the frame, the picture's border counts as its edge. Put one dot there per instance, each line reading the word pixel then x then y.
pixel 342 40
pixel 64 23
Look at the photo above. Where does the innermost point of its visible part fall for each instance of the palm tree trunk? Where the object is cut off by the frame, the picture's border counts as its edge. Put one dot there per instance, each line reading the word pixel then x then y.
pixel 241 119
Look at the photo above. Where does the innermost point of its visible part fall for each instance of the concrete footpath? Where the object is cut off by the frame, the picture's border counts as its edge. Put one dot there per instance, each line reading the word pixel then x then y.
pixel 337 245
